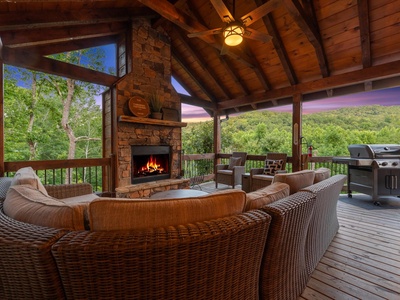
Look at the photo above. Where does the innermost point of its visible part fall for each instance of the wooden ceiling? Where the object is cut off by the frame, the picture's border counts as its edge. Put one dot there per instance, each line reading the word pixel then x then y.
pixel 319 48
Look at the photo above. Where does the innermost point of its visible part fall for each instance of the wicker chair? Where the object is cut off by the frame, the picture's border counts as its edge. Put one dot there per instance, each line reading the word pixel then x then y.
pixel 197 261
pixel 231 174
pixel 258 179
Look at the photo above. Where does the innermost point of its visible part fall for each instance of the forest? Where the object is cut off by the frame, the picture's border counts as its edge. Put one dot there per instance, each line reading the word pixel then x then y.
pixel 48 117
pixel 329 132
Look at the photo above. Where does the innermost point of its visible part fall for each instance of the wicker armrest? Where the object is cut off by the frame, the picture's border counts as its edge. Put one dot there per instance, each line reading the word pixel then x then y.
pixel 61 191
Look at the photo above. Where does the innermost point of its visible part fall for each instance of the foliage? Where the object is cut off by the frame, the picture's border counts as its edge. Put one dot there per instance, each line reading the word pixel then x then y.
pixel 156 102
pixel 329 132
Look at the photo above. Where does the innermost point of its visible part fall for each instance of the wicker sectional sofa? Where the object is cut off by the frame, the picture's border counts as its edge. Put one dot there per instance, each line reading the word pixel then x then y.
pixel 225 245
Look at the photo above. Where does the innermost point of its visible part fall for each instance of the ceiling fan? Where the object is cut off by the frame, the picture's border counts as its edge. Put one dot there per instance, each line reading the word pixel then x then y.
pixel 236 29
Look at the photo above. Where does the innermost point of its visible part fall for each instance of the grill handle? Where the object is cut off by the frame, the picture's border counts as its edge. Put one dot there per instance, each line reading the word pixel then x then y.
pixel 391 182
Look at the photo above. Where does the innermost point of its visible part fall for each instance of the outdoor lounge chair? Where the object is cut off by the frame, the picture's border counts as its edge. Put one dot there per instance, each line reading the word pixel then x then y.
pixel 231 174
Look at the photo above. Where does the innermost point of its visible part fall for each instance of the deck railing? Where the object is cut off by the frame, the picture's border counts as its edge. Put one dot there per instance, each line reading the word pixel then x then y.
pixel 95 171
pixel 201 166
pixel 196 167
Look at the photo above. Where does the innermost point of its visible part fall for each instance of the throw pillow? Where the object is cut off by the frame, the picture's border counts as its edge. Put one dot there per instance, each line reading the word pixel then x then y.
pixel 271 166
pixel 28 176
pixel 234 161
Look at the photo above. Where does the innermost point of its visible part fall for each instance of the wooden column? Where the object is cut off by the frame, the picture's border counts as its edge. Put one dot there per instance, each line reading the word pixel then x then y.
pixel 296 131
pixel 217 138
pixel 1 111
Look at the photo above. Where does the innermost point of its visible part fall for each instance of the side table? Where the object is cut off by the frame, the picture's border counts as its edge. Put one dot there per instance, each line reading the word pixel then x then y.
pixel 246 182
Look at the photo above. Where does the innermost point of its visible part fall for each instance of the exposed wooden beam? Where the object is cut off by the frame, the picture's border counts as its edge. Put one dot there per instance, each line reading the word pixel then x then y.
pixel 387 70
pixel 296 11
pixel 179 18
pixel 72 45
pixel 363 16
pixel 197 80
pixel 258 69
pixel 198 102
pixel 208 72
pixel 280 48
pixel 30 61
pixel 35 37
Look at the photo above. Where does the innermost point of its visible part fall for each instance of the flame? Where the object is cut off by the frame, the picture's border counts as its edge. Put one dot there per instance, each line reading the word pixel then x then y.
pixel 152 166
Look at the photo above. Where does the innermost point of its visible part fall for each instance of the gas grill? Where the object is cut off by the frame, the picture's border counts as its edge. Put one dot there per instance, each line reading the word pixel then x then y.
pixel 373 169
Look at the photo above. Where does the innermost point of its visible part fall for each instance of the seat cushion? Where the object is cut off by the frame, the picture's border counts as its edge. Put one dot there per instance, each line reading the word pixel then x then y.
pixel 27 204
pixel 126 214
pixel 321 174
pixel 28 176
pixel 266 195
pixel 296 180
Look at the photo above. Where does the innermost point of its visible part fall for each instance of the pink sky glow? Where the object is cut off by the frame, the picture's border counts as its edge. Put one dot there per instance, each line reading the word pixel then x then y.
pixel 388 97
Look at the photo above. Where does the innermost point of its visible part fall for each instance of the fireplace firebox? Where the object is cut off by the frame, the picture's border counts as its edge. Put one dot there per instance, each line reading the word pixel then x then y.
pixel 150 163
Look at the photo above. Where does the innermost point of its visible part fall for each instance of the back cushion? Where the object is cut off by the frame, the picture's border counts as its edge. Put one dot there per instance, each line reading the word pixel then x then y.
pixel 264 196
pixel 321 174
pixel 28 176
pixel 27 204
pixel 124 214
pixel 296 180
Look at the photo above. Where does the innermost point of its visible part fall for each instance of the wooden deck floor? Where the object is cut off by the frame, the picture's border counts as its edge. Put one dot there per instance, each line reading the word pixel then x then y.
pixel 363 260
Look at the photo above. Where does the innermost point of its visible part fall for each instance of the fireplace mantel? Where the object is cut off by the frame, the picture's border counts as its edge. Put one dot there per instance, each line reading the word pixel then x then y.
pixel 149 121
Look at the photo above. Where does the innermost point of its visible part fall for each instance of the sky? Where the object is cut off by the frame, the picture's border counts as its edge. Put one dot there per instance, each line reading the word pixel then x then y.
pixel 387 97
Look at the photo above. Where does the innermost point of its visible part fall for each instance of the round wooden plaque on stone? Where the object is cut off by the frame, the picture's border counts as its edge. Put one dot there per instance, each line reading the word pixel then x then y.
pixel 139 107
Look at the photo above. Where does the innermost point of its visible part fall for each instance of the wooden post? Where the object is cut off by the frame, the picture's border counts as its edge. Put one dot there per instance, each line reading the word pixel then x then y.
pixel 217 138
pixel 296 132
pixel 1 111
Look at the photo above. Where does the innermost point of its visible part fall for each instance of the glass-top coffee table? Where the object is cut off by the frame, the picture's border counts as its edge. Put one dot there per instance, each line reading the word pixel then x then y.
pixel 180 193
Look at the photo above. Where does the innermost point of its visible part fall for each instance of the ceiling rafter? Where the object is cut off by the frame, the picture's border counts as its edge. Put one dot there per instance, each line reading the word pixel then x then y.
pixel 72 45
pixel 195 78
pixel 296 11
pixel 24 59
pixel 179 18
pixel 363 16
pixel 280 48
pixel 203 64
pixel 37 37
pixel 258 69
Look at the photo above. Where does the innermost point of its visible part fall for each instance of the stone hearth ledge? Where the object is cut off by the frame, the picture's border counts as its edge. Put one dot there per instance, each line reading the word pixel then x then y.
pixel 147 189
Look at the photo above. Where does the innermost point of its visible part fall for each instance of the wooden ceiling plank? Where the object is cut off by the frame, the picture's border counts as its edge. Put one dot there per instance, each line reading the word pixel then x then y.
pixel 347 79
pixel 209 72
pixel 258 70
pixel 30 61
pixel 297 13
pixel 365 37
pixel 279 47
pixel 195 78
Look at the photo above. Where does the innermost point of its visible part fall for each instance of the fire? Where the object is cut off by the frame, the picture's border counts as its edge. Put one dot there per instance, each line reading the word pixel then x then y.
pixel 152 166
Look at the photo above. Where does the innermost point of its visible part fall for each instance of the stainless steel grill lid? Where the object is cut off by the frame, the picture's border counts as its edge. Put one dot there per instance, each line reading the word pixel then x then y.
pixel 374 151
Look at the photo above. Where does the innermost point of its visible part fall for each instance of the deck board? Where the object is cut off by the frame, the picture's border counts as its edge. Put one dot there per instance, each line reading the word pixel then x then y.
pixel 363 260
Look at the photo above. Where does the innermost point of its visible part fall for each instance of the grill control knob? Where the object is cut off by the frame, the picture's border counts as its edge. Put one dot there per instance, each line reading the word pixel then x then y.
pixel 384 163
pixel 395 163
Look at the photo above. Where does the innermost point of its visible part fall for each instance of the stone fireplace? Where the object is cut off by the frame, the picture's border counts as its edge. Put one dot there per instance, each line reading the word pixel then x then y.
pixel 147 59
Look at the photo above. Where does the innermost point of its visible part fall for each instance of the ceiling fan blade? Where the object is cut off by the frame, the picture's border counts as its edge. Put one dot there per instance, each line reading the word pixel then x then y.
pixel 256 35
pixel 206 32
pixel 260 12
pixel 222 11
